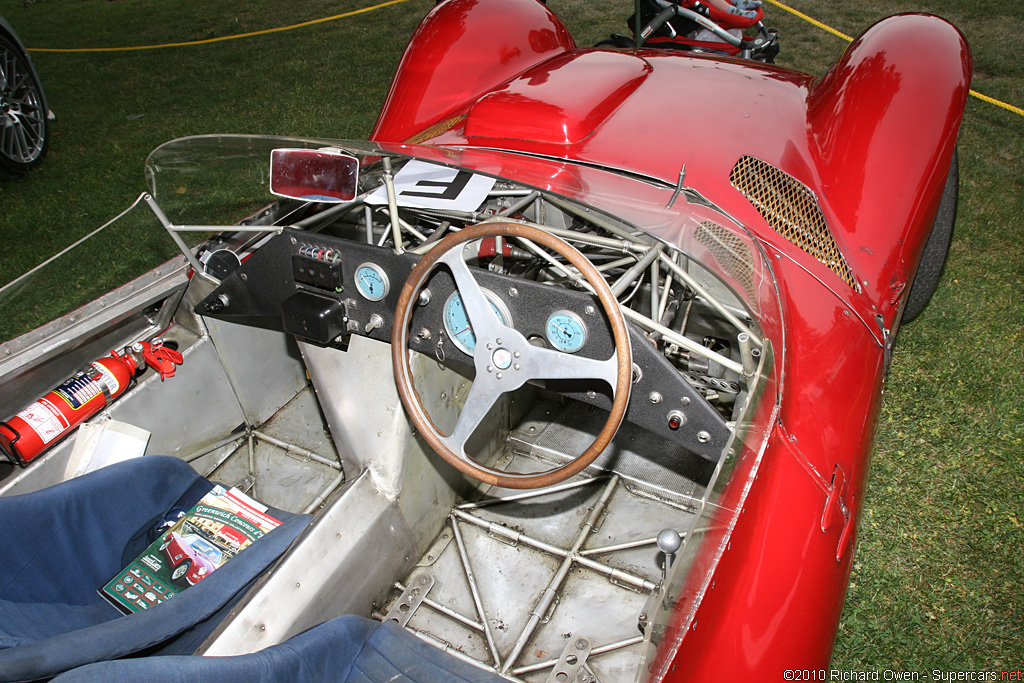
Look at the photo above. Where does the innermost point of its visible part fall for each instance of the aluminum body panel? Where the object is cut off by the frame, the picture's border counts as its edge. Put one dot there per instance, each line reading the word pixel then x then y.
pixel 46 470
pixel 658 468
pixel 357 393
pixel 289 482
pixel 552 103
pixel 264 366
pixel 193 409
pixel 372 532
pixel 779 583
pixel 352 552
pixel 512 576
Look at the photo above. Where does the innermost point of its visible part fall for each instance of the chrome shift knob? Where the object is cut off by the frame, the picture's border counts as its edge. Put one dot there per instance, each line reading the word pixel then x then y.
pixel 669 541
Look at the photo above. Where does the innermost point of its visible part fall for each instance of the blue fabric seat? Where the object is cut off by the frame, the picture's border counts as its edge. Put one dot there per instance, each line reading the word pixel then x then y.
pixel 348 649
pixel 59 546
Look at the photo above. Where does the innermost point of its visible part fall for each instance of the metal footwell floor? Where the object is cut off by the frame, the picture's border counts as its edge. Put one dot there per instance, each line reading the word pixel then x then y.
pixel 294 448
pixel 517 580
pixel 647 464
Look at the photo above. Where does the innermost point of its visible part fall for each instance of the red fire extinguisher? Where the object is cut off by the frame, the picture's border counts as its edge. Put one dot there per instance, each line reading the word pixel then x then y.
pixel 51 418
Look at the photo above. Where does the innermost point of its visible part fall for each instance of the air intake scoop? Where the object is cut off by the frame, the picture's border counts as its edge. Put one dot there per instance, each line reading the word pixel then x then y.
pixel 561 101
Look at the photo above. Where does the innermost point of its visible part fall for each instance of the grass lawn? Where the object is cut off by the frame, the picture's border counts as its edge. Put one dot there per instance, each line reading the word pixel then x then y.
pixel 939 570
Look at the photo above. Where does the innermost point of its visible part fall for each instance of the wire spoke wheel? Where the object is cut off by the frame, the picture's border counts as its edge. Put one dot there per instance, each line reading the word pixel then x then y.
pixel 23 125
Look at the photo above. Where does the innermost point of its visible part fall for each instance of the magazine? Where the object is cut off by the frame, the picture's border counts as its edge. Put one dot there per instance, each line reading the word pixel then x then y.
pixel 213 531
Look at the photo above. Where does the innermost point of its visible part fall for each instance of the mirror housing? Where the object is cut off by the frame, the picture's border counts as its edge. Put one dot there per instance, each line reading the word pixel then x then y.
pixel 325 175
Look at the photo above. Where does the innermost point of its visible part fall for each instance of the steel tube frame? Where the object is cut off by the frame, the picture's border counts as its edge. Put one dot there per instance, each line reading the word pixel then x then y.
pixel 292 449
pixel 475 591
pixel 447 611
pixel 578 556
pixel 550 663
pixel 715 303
pixel 548 596
pixel 565 486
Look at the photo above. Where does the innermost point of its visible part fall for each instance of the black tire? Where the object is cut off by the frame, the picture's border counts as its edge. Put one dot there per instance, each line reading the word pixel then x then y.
pixel 617 40
pixel 181 570
pixel 24 128
pixel 933 259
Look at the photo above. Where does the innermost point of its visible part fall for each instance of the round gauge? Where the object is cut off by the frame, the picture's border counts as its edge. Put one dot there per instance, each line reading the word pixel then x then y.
pixel 456 321
pixel 565 331
pixel 372 282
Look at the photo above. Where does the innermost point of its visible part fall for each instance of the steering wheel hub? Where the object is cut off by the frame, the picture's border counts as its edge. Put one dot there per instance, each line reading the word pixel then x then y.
pixel 502 358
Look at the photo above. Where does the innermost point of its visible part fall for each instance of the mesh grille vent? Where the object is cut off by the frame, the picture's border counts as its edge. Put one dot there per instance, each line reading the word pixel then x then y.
pixel 435 130
pixel 732 253
pixel 792 210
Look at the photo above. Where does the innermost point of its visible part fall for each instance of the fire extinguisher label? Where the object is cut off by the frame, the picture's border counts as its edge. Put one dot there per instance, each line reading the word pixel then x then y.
pixel 45 420
pixel 108 378
pixel 79 389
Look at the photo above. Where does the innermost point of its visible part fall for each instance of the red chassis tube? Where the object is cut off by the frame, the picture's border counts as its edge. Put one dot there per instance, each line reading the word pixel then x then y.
pixel 873 139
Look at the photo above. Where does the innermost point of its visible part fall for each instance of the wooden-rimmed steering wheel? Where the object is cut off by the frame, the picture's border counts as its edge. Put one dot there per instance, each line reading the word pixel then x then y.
pixel 504 358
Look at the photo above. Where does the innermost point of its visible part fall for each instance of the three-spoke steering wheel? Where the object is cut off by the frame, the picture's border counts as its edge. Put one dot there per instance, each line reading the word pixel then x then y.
pixel 505 359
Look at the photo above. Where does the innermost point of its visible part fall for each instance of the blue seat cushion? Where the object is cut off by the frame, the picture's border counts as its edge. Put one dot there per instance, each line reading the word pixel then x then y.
pixel 348 649
pixel 60 545
pixel 26 622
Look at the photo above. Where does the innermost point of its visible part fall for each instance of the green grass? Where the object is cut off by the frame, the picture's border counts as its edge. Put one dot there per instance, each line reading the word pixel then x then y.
pixel 327 80
pixel 112 109
pixel 939 570
pixel 938 576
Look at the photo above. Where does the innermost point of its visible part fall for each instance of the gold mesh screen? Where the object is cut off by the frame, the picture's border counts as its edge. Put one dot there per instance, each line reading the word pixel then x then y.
pixel 435 130
pixel 792 210
pixel 732 253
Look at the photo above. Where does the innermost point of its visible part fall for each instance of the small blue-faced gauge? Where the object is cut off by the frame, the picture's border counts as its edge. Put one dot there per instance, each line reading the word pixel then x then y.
pixel 456 321
pixel 372 282
pixel 565 331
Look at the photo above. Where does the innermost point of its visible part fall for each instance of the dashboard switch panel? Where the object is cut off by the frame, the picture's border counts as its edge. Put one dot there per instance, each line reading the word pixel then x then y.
pixel 322 274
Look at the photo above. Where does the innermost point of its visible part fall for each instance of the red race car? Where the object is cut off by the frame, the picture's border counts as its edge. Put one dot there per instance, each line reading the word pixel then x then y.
pixel 191 557
pixel 599 336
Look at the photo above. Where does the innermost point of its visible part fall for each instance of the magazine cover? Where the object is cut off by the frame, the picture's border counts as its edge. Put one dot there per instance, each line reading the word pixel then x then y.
pixel 216 529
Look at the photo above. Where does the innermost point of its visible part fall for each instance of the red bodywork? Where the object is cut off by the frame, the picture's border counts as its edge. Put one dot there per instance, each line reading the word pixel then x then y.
pixel 178 550
pixel 873 139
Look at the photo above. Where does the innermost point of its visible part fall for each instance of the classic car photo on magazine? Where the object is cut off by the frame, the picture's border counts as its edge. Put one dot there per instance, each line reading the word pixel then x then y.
pixel 219 526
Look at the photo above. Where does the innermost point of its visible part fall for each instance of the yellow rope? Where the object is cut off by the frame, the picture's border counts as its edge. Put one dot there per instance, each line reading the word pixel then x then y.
pixel 998 103
pixel 808 19
pixel 222 38
pixel 811 20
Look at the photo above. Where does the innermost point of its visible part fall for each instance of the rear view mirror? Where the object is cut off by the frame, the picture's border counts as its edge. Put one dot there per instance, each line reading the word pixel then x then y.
pixel 314 175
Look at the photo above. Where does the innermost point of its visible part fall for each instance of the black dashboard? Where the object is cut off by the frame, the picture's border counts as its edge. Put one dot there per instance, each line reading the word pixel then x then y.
pixel 325 289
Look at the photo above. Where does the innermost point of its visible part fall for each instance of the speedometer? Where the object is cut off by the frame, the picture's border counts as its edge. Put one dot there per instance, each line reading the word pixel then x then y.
pixel 456 321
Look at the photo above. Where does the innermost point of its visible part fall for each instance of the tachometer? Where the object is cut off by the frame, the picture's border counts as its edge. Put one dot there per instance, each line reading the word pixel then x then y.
pixel 456 322
pixel 566 331
pixel 372 282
